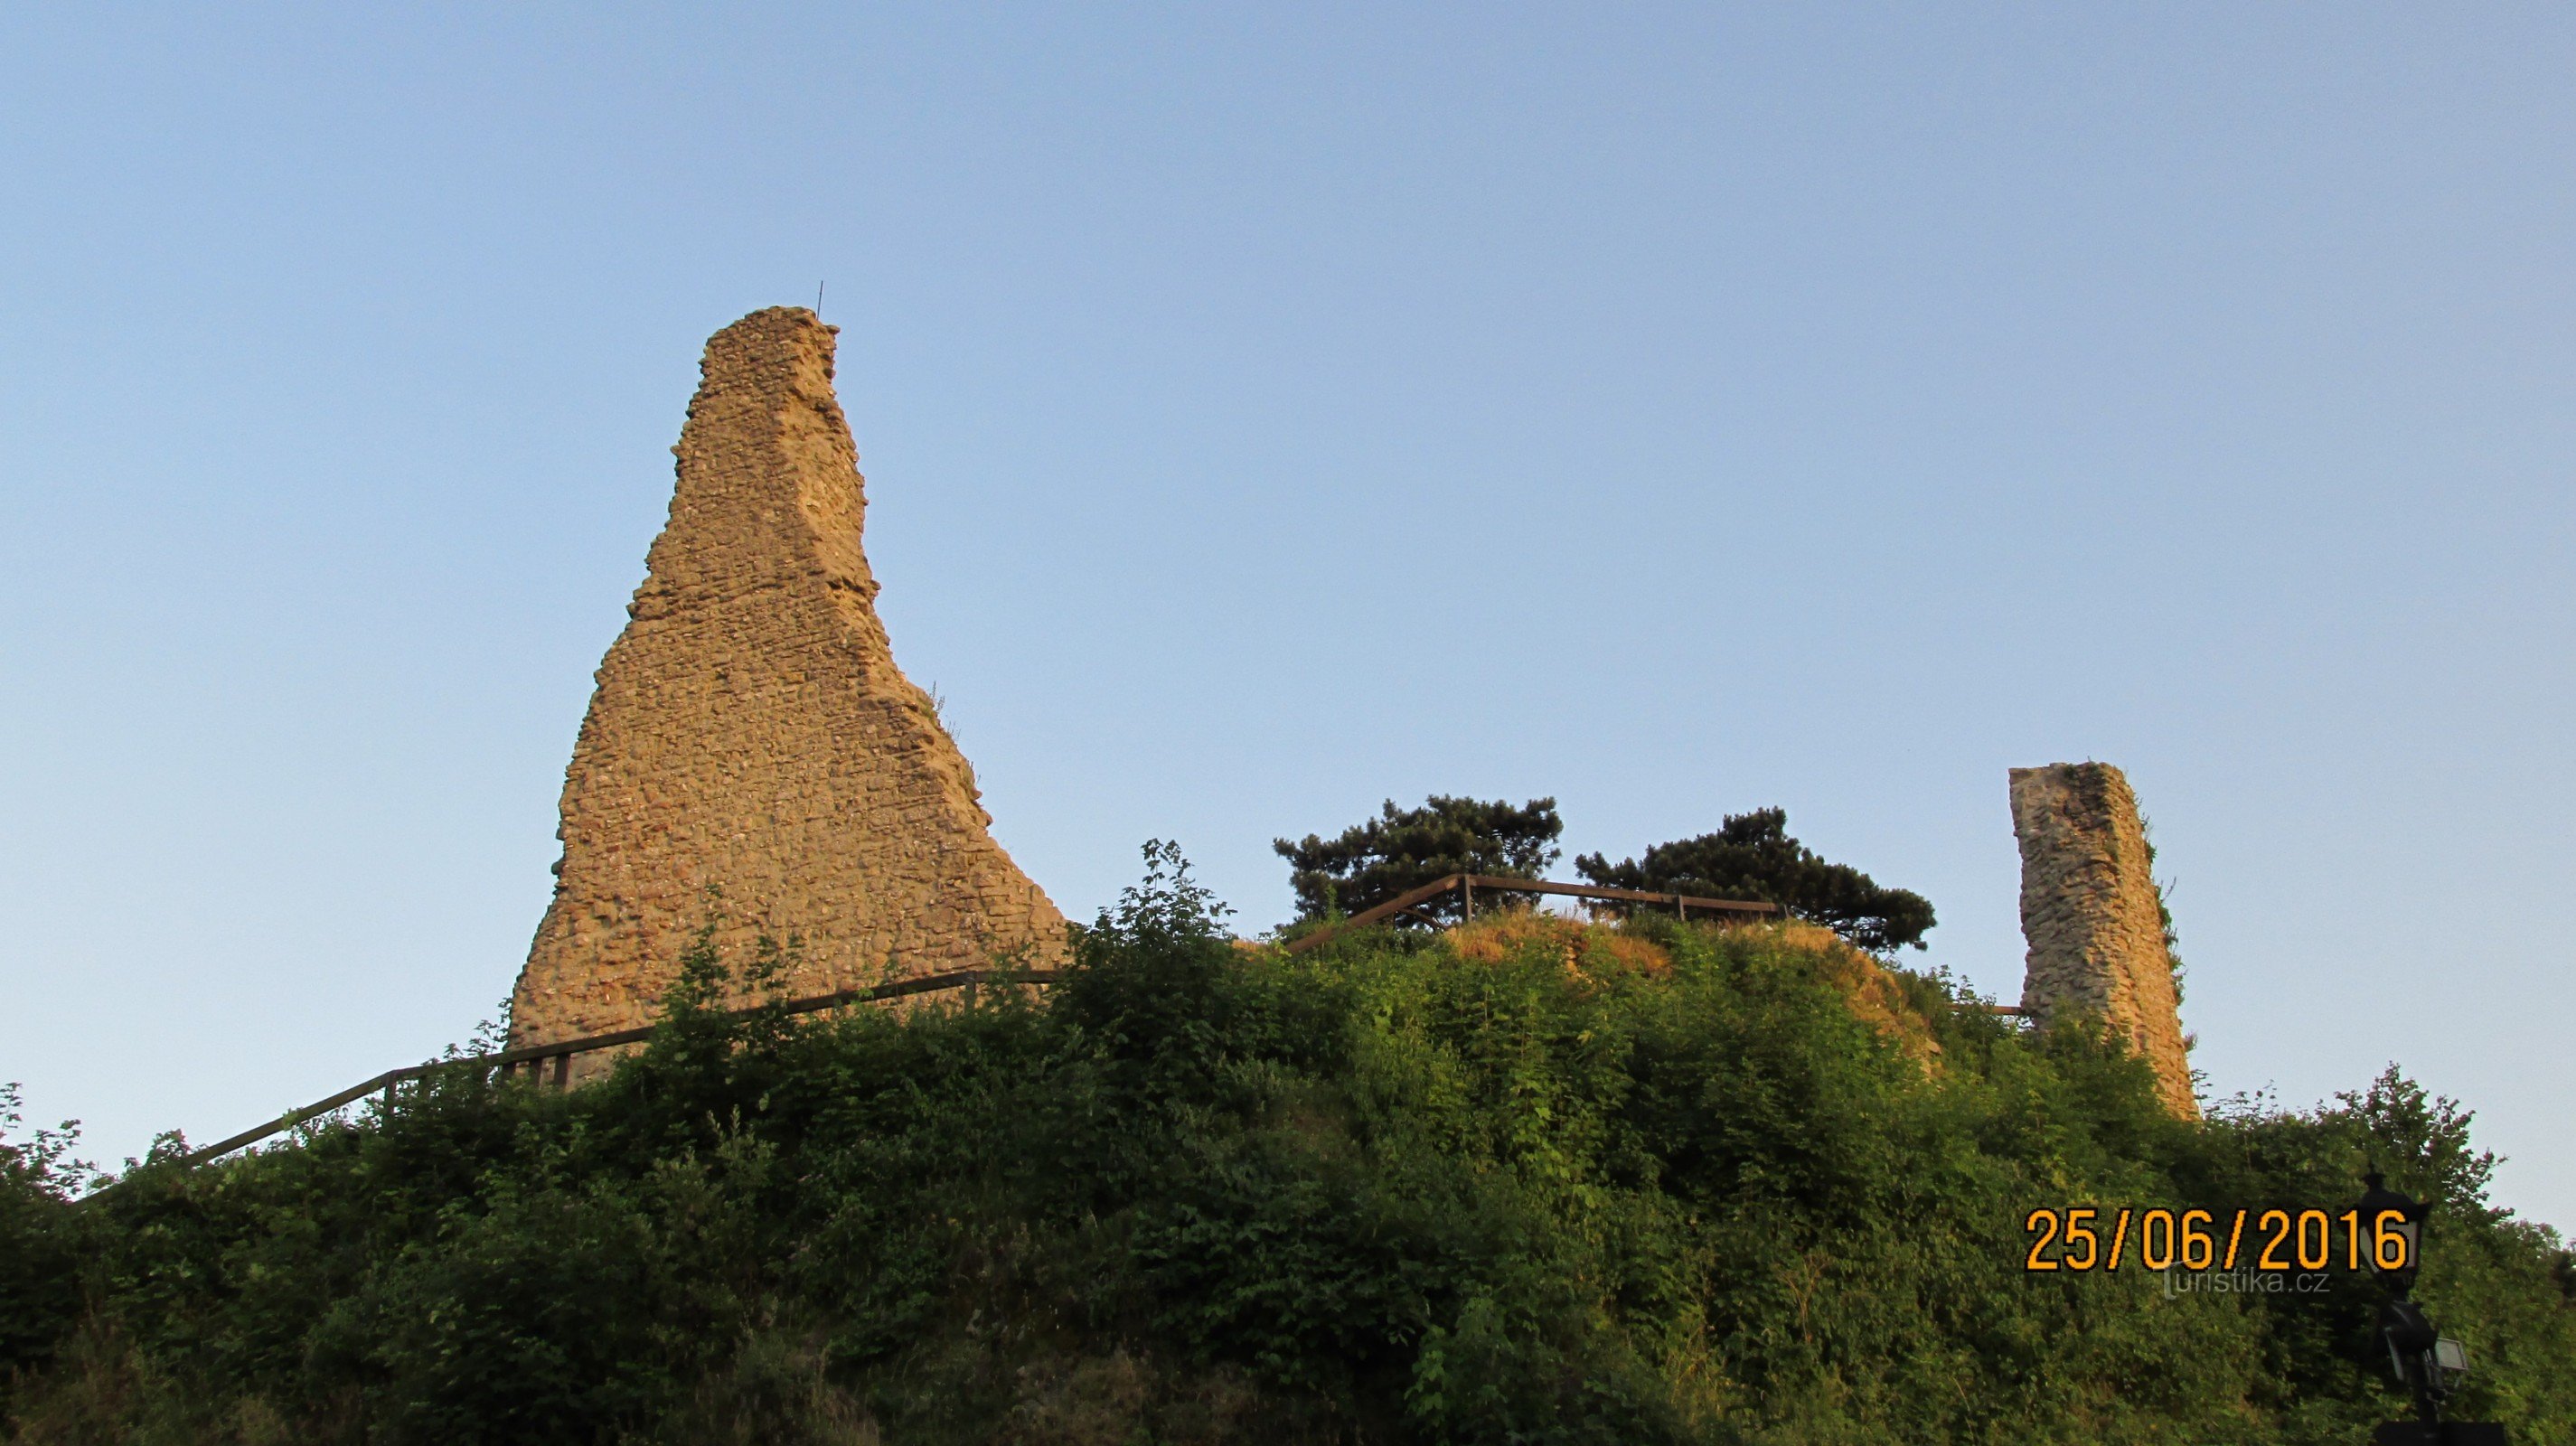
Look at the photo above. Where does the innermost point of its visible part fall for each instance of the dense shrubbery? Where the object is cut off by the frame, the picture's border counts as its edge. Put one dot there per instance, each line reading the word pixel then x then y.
pixel 1544 1184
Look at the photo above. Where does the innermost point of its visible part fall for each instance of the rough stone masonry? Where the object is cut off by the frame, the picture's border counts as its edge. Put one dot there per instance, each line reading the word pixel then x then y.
pixel 2091 914
pixel 752 754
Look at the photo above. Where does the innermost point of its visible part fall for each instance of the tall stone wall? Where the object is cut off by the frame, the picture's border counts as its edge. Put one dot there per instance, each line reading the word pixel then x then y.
pixel 2090 913
pixel 751 735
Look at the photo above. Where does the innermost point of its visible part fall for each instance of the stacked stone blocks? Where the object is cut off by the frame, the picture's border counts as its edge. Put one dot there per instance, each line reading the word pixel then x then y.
pixel 752 755
pixel 2093 919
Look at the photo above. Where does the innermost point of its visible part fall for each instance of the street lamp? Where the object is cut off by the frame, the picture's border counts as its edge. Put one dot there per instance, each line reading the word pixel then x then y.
pixel 2378 1203
pixel 2428 1363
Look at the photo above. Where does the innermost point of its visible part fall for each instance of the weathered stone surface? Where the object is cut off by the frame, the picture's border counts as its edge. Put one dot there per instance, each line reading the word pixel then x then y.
pixel 2090 912
pixel 751 734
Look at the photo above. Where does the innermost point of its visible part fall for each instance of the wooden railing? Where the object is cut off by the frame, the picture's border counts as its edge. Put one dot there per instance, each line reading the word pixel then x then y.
pixel 557 1054
pixel 536 1057
pixel 1466 885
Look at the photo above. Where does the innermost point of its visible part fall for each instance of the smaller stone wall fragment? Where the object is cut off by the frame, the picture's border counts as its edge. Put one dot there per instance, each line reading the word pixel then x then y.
pixel 2090 912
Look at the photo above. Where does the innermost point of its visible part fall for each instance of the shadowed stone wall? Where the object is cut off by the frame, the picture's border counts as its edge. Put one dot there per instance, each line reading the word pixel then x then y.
pixel 751 733
pixel 2090 912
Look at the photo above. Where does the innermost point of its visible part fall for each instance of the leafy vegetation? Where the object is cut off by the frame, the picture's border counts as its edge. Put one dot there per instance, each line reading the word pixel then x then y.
pixel 1403 849
pixel 1752 856
pixel 1530 1181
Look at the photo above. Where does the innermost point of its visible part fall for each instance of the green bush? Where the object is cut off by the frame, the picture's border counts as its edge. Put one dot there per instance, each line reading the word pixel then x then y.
pixel 1657 1184
pixel 39 1257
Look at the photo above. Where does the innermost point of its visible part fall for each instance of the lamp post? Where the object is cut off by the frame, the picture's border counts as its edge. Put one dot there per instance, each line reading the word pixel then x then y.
pixel 2378 1203
pixel 2428 1363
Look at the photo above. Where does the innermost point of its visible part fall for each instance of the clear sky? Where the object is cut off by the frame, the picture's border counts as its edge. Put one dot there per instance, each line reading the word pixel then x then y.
pixel 1272 410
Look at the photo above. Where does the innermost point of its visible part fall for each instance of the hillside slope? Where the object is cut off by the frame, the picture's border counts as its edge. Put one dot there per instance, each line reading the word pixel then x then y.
pixel 1527 1182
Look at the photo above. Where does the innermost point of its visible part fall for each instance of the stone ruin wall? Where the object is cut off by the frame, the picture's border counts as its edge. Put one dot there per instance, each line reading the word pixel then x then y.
pixel 2090 912
pixel 751 735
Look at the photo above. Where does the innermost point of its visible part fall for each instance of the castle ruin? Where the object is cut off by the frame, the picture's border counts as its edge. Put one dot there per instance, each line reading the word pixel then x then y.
pixel 752 756
pixel 2092 916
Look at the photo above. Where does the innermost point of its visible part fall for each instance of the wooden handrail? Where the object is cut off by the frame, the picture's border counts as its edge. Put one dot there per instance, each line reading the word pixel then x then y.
pixel 1469 883
pixel 562 1050
pixel 1405 902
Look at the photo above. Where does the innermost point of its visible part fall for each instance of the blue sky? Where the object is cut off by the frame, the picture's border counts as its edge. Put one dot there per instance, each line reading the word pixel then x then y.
pixel 1268 411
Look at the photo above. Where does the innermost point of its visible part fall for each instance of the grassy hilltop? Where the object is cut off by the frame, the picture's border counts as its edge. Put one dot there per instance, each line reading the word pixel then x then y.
pixel 1528 1181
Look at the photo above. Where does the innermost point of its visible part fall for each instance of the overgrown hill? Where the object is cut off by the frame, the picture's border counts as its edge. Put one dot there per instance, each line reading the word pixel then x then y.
pixel 1529 1181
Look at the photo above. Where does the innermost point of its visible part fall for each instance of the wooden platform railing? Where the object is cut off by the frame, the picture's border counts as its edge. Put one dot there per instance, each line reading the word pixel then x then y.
pixel 1466 885
pixel 535 1057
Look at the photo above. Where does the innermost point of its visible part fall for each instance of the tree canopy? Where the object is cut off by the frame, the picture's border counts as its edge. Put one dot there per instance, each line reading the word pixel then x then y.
pixel 1374 861
pixel 1752 856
